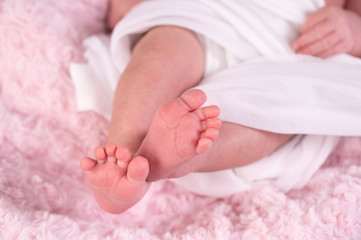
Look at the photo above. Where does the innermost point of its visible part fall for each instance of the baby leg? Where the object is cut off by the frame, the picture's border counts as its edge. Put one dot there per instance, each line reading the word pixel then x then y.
pixel 164 63
pixel 117 9
pixel 182 139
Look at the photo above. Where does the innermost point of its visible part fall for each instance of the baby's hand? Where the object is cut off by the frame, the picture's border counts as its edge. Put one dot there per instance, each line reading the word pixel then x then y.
pixel 330 31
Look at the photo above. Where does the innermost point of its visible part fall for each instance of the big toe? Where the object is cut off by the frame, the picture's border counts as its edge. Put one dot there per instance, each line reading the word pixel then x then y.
pixel 193 99
pixel 138 170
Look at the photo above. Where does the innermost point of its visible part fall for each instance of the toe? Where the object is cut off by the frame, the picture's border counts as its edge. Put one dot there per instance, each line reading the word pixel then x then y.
pixel 87 164
pixel 193 99
pixel 100 154
pixel 208 112
pixel 211 134
pixel 204 144
pixel 123 157
pixel 211 123
pixel 138 170
pixel 110 150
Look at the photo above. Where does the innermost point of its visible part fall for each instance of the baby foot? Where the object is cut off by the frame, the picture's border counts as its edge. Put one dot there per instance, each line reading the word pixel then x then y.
pixel 179 132
pixel 116 181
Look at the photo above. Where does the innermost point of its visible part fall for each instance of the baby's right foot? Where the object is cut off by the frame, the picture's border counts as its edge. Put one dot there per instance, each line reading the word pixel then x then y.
pixel 116 181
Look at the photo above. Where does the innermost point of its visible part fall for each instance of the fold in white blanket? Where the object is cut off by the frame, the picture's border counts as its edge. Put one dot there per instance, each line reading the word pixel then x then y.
pixel 252 74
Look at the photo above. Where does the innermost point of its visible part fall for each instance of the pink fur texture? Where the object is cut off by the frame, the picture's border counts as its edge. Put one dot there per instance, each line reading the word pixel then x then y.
pixel 43 193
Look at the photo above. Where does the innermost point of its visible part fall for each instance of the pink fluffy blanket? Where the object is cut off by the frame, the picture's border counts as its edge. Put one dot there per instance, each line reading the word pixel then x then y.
pixel 43 193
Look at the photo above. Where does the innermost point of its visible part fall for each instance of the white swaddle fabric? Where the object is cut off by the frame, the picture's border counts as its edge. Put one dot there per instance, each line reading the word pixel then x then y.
pixel 254 77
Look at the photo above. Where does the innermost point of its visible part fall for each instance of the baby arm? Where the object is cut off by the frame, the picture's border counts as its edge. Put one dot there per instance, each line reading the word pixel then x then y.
pixel 117 9
pixel 332 30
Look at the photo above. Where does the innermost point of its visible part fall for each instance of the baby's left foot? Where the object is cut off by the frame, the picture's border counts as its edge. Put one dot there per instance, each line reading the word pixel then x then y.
pixel 180 131
pixel 117 182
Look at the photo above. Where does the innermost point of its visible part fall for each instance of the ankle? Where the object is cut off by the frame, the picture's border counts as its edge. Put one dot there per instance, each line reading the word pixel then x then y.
pixel 130 141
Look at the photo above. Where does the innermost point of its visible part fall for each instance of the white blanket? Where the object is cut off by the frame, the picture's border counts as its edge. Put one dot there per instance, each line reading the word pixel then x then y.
pixel 252 74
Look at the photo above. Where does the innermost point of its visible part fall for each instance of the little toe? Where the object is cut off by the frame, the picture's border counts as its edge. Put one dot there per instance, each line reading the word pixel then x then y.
pixel 123 157
pixel 87 164
pixel 204 144
pixel 110 150
pixel 138 170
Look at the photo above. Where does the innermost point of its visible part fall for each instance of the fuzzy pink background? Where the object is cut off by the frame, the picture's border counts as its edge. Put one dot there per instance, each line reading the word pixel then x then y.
pixel 43 194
